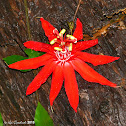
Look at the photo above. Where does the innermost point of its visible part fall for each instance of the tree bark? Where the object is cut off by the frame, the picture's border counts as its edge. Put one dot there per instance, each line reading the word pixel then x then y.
pixel 98 105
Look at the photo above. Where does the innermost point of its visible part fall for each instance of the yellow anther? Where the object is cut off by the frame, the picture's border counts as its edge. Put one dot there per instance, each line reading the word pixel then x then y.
pixel 53 41
pixel 58 48
pixel 62 32
pixel 62 43
pixel 70 47
pixel 70 37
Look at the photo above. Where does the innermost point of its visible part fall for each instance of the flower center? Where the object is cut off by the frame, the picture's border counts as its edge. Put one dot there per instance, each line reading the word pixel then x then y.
pixel 63 55
pixel 63 42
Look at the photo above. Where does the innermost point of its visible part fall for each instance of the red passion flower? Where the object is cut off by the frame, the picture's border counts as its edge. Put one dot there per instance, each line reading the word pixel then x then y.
pixel 63 56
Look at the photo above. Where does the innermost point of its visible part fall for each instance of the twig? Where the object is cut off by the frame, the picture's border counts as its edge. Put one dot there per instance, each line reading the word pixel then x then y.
pixel 76 10
pixel 29 35
pixel 27 19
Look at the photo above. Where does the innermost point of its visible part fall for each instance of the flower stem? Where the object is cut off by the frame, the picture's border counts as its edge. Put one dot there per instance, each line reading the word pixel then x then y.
pixel 76 10
pixel 29 35
pixel 27 19
pixel 71 24
pixel 37 96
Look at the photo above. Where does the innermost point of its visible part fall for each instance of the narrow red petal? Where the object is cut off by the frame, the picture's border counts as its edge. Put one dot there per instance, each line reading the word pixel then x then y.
pixel 96 59
pixel 48 28
pixel 32 63
pixel 38 46
pixel 84 45
pixel 89 74
pixel 71 86
pixel 57 81
pixel 41 77
pixel 78 33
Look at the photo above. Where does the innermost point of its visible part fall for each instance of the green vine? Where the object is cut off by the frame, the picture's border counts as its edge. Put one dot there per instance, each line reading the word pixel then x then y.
pixel 27 19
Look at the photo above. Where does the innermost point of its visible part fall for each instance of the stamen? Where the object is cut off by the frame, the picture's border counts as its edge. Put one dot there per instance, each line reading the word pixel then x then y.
pixel 62 43
pixel 74 40
pixel 62 32
pixel 55 31
pixel 53 41
pixel 58 48
pixel 70 37
pixel 70 47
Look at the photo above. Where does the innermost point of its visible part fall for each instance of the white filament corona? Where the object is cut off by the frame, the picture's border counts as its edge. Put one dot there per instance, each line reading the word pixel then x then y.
pixel 63 56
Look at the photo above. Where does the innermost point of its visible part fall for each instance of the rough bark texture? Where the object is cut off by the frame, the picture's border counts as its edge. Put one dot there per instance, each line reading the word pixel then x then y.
pixel 99 105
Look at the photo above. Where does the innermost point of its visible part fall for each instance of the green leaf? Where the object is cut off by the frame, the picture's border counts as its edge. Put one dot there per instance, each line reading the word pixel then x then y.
pixel 41 117
pixel 1 120
pixel 32 54
pixel 14 58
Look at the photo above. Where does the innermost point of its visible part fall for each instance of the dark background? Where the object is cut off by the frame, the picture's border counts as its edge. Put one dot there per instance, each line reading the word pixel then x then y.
pixel 99 105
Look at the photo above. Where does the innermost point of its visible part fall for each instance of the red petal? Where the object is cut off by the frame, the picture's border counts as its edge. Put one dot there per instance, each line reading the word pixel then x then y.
pixel 48 28
pixel 71 86
pixel 84 44
pixel 41 77
pixel 96 59
pixel 57 81
pixel 32 63
pixel 89 74
pixel 38 46
pixel 78 33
